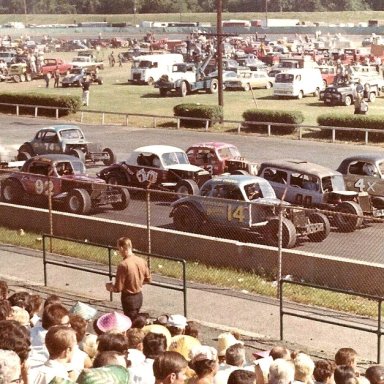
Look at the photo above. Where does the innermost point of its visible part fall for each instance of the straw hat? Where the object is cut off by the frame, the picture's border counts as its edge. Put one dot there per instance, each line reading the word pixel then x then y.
pixel 157 328
pixel 183 344
pixel 224 341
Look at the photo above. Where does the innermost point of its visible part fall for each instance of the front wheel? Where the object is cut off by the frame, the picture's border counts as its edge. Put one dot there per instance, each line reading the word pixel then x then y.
pixel 12 192
pixel 271 233
pixel 348 101
pixel 318 217
pixel 79 202
pixel 214 86
pixel 345 222
pixel 78 153
pixel 125 199
pixel 268 85
pixel 111 157
pixel 151 81
pixel 23 156
pixel 247 87
pixel 186 219
pixel 186 187
pixel 317 92
pixel 183 90
pixel 300 95
pixel 16 78
pixel 372 97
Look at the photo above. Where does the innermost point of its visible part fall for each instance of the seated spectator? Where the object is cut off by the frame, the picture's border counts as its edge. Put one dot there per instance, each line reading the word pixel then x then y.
pixel 323 372
pixel 135 338
pixel 345 374
pixel 22 300
pixel 170 368
pixel 84 310
pixel 3 290
pixel 112 342
pixel 224 341
pixel 10 367
pixel 36 307
pixel 241 376
pixel 191 329
pixel 89 345
pixel 5 310
pixel 375 374
pixel 346 356
pixel 176 324
pixel 60 342
pixel 280 352
pixel 304 367
pixel 110 358
pixel 159 329
pixel 52 299
pixel 281 371
pixel 21 316
pixel 184 345
pixel 114 322
pixel 205 364
pixel 107 374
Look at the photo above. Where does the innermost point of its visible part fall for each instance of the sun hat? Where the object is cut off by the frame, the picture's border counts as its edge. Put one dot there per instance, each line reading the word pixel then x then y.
pixel 110 374
pixel 114 321
pixel 178 321
pixel 183 344
pixel 84 310
pixel 202 352
pixel 157 328
pixel 224 341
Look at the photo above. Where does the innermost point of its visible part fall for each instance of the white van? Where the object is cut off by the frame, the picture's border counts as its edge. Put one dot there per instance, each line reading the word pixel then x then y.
pixel 298 83
pixel 147 69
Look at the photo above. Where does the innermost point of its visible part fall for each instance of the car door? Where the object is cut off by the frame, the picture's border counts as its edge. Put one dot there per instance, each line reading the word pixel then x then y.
pixel 47 142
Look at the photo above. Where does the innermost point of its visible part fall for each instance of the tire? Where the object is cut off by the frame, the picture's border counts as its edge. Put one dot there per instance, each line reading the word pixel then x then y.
pixel 78 153
pixel 111 157
pixel 183 89
pixel 318 217
pixel 186 187
pixel 247 87
pixel 100 81
pixel 28 77
pixel 151 81
pixel 214 86
pixel 317 92
pixel 163 92
pixel 12 192
pixel 378 202
pixel 372 97
pixel 125 199
pixel 349 224
pixel 269 85
pixel 25 149
pixel 300 95
pixel 348 101
pixel 23 156
pixel 64 85
pixel 325 83
pixel 16 78
pixel 289 233
pixel 115 179
pixel 79 202
pixel 22 78
pixel 186 219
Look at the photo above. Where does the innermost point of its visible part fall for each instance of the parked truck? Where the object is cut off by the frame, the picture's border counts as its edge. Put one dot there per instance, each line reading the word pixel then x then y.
pixel 50 65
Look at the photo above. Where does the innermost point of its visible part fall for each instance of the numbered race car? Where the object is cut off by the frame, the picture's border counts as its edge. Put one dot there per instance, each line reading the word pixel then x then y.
pixel 64 177
pixel 365 173
pixel 218 158
pixel 157 167
pixel 312 185
pixel 241 202
pixel 65 139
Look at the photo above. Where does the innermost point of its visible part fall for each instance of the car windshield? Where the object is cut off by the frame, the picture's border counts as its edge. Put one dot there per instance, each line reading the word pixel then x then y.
pixel 381 167
pixel 76 71
pixel 172 158
pixel 78 167
pixel 284 78
pixel 71 134
pixel 333 183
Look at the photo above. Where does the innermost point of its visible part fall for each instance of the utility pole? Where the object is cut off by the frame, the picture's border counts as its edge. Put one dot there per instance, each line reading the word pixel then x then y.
pixel 219 33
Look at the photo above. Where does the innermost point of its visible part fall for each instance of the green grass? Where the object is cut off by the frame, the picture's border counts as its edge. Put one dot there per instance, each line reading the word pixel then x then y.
pixel 200 273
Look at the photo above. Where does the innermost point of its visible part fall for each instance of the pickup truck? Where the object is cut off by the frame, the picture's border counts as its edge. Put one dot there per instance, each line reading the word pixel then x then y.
pixel 87 62
pixel 50 65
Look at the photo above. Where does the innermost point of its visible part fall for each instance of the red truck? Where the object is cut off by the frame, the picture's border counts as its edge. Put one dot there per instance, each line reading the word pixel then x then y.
pixel 50 65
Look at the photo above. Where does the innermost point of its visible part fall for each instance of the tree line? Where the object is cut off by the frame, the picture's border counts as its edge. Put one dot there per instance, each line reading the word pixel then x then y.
pixel 176 6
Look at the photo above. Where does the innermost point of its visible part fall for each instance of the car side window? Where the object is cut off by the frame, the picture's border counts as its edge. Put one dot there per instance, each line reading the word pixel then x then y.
pixel 50 137
pixel 39 169
pixel 275 175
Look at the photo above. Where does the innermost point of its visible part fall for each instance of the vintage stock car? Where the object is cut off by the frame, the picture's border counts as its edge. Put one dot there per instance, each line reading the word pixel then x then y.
pixel 65 139
pixel 241 202
pixel 65 179
pixel 160 167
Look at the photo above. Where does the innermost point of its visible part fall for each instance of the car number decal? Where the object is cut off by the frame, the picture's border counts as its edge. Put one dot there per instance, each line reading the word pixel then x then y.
pixel 307 200
pixel 43 187
pixel 360 184
pixel 209 168
pixel 235 213
pixel 150 176
pixel 50 146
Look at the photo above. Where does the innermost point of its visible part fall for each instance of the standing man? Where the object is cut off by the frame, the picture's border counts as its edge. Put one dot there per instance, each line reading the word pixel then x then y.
pixel 85 84
pixel 56 75
pixel 132 273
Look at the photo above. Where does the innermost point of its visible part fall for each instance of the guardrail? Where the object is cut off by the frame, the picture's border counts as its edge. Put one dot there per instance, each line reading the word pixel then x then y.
pixel 378 330
pixel 240 125
pixel 35 108
pixel 110 273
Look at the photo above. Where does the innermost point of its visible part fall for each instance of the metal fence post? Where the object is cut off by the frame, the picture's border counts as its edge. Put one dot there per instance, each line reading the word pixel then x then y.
pixel 81 117
pixel 281 311
pixel 154 122
pixel 239 129
pixel 185 288
pixel 110 271
pixel 280 253
pixel 149 221
pixel 300 133
pixel 44 262
pixel 379 332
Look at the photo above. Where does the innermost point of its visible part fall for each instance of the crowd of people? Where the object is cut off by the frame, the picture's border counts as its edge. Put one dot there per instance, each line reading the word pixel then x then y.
pixel 43 341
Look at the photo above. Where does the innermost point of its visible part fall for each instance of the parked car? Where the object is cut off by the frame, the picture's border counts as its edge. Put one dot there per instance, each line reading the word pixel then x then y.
pixel 161 167
pixel 365 173
pixel 312 185
pixel 248 203
pixel 248 80
pixel 64 177
pixel 66 139
pixel 76 77
pixel 218 158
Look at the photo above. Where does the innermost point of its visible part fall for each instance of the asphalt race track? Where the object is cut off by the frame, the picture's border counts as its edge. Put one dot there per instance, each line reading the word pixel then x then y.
pixel 364 244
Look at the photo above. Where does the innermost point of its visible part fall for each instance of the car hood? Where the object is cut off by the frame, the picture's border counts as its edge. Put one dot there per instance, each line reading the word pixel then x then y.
pixel 270 201
pixel 186 167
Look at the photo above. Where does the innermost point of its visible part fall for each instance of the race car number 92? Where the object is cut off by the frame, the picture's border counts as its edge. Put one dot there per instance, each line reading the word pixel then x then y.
pixel 43 187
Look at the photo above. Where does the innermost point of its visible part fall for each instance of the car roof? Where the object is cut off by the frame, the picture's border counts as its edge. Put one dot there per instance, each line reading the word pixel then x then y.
pixel 371 157
pixel 301 166
pixel 158 149
pixel 237 180
pixel 59 128
pixel 213 144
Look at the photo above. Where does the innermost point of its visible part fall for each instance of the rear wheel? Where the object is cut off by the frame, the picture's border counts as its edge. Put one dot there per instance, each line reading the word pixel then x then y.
pixel 348 101
pixel 372 97
pixel 214 86
pixel 186 187
pixel 271 233
pixel 186 219
pixel 79 202
pixel 28 77
pixel 300 95
pixel 268 85
pixel 183 90
pixel 78 153
pixel 22 78
pixel 378 202
pixel 23 150
pixel 151 81
pixel 125 199
pixel 115 179
pixel 12 192
pixel 23 156
pixel 16 78
pixel 349 223
pixel 318 217
pixel 111 157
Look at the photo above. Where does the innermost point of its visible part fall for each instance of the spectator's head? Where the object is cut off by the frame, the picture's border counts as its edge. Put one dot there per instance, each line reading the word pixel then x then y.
pixel 170 368
pixel 54 314
pixel 20 315
pixel 5 310
pixel 204 361
pixel 191 329
pixel 280 352
pixel 22 300
pixel 281 371
pixel 323 372
pixel 60 341
pixel 235 355
pixel 10 367
pixel 36 304
pixel 140 322
pixel 224 341
pixel 346 356
pixel 112 342
pixel 135 338
pixel 304 367
pixel 241 376
pixel 176 324
pixel 15 337
pixel 375 374
pixel 105 358
pixel 89 345
pixel 79 325
pixel 154 344
pixel 52 299
pixel 124 245
pixel 3 290
pixel 345 374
